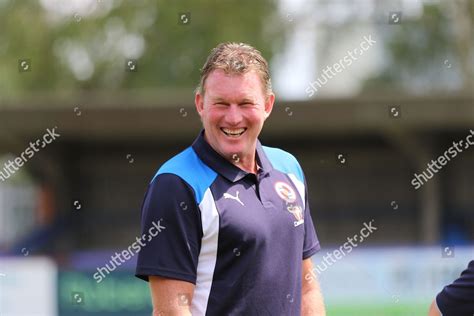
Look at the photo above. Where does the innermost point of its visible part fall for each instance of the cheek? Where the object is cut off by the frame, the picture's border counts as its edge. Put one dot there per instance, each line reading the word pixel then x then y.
pixel 256 116
pixel 213 116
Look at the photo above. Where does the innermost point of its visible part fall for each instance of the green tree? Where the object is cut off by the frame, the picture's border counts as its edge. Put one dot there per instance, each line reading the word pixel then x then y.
pixel 88 49
pixel 432 52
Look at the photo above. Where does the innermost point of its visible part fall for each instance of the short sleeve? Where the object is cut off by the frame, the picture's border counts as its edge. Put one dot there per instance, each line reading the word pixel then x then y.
pixel 458 297
pixel 174 252
pixel 311 242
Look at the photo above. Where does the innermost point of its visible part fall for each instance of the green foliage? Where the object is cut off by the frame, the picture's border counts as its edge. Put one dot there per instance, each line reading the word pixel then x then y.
pixel 423 53
pixel 171 56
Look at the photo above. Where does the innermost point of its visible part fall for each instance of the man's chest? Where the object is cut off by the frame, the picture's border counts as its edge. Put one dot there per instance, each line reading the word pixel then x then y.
pixel 259 211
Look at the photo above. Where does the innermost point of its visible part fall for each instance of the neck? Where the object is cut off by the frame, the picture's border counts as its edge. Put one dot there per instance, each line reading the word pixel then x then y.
pixel 249 165
pixel 252 168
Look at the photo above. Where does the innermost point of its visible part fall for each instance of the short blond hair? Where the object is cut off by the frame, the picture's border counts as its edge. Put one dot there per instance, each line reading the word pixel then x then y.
pixel 236 58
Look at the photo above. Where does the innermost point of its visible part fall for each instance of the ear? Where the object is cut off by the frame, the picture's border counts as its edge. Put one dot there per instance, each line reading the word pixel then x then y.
pixel 199 102
pixel 269 105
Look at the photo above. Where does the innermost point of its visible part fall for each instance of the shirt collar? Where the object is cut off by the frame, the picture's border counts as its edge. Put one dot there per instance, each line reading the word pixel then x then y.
pixel 224 167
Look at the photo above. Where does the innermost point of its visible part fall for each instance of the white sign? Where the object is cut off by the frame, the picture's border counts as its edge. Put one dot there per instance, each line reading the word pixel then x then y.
pixel 391 274
pixel 28 286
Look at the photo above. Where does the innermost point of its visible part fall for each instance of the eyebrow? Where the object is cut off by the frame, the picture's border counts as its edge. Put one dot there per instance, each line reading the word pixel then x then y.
pixel 245 100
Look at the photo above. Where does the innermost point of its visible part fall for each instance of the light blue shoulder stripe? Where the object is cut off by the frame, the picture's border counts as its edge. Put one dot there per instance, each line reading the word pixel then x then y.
pixel 284 162
pixel 191 169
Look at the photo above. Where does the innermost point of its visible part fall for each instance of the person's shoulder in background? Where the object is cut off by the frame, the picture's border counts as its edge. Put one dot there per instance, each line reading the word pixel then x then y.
pixel 457 298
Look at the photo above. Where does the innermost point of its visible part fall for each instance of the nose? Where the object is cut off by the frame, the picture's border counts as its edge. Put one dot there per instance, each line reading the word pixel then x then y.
pixel 233 115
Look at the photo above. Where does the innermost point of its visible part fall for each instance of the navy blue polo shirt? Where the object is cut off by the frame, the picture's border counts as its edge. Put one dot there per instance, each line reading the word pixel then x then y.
pixel 457 299
pixel 239 237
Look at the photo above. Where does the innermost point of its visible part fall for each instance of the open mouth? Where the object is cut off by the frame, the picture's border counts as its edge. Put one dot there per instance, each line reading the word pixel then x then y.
pixel 233 132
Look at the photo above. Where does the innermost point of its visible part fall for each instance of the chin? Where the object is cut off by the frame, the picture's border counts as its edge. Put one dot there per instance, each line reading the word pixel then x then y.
pixel 231 150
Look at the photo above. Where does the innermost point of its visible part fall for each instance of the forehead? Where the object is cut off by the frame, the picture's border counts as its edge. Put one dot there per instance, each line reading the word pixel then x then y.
pixel 221 85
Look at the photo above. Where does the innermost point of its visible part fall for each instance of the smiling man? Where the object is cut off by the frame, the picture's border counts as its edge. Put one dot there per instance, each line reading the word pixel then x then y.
pixel 239 234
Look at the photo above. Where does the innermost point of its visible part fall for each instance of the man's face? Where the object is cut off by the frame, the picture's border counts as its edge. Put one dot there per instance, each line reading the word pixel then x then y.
pixel 233 110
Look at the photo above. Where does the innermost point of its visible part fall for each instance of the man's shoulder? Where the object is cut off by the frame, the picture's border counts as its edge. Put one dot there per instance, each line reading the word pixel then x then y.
pixel 284 161
pixel 188 167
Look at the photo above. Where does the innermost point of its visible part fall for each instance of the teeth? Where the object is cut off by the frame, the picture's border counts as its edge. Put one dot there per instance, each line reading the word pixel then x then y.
pixel 233 131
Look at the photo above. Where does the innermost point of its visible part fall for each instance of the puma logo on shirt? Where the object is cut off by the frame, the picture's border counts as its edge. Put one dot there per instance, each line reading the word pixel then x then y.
pixel 236 197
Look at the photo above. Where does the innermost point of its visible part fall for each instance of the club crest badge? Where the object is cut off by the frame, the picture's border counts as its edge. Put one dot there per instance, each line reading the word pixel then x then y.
pixel 285 191
pixel 297 213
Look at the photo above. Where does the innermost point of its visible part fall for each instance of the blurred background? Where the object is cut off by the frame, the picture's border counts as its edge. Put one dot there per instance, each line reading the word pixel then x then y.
pixel 115 80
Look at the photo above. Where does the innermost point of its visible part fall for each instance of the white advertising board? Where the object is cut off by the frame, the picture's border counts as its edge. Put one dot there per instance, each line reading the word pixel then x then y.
pixel 28 286
pixel 401 274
